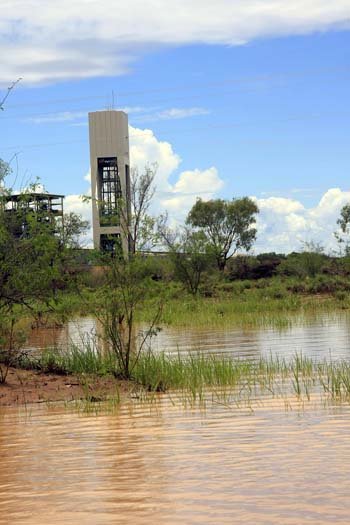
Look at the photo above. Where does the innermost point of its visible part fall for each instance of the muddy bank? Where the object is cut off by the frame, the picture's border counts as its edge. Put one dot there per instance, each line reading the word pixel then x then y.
pixel 27 386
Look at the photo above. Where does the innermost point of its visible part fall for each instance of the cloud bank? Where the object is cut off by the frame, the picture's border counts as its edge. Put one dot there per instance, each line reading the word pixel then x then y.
pixel 72 39
pixel 285 224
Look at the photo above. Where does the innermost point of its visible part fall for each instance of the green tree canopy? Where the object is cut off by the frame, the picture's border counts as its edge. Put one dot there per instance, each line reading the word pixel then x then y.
pixel 344 224
pixel 227 225
pixel 35 250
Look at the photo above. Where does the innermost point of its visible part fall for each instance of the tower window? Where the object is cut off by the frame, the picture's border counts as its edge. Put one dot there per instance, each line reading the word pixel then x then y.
pixel 111 244
pixel 110 191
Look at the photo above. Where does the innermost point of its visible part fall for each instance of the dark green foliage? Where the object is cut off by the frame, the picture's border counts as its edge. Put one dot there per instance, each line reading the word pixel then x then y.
pixel 305 264
pixel 261 266
pixel 337 266
pixel 321 284
pixel 36 262
pixel 127 286
pixel 159 267
pixel 191 257
pixel 227 225
pixel 36 265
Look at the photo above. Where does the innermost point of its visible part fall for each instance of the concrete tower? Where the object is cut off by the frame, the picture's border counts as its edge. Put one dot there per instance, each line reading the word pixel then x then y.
pixel 110 179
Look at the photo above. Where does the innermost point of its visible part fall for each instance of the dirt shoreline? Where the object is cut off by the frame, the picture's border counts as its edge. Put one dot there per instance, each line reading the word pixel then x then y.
pixel 27 386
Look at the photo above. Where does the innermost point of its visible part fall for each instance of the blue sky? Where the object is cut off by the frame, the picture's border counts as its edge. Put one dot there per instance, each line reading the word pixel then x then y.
pixel 237 102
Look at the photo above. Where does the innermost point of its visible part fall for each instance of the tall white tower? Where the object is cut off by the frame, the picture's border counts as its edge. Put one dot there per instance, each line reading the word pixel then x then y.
pixel 110 179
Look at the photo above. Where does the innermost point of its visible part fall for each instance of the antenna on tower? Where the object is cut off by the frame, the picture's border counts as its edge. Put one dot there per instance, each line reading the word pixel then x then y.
pixel 9 89
pixel 110 104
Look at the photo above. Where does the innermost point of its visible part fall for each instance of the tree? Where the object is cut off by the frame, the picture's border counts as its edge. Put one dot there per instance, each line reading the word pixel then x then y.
pixel 70 229
pixel 128 281
pixel 344 222
pixel 127 287
pixel 35 262
pixel 28 277
pixel 227 225
pixel 312 258
pixel 189 252
pixel 140 225
pixel 5 171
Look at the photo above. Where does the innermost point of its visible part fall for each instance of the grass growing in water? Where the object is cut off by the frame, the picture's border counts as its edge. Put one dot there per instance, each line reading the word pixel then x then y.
pixel 75 360
pixel 274 302
pixel 193 375
pixel 254 310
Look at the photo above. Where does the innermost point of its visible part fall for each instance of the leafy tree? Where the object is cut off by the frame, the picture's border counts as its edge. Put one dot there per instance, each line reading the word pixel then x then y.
pixel 344 224
pixel 70 229
pixel 227 225
pixel 128 283
pixel 190 254
pixel 127 287
pixel 35 262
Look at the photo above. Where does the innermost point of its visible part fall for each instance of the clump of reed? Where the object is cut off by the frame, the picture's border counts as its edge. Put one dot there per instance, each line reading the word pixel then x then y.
pixel 193 372
pixel 72 360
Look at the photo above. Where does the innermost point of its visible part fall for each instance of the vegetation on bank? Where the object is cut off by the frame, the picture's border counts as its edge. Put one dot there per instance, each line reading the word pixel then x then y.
pixel 191 376
pixel 154 297
pixel 274 301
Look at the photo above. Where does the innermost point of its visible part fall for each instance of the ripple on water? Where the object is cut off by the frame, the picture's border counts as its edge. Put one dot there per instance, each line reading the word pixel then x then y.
pixel 160 463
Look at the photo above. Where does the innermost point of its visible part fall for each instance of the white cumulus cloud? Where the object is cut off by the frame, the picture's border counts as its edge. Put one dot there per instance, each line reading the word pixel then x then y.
pixel 176 197
pixel 280 205
pixel 285 224
pixel 145 149
pixel 190 185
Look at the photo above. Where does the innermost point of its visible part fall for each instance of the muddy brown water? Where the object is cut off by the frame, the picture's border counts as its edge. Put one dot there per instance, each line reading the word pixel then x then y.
pixel 319 337
pixel 274 461
pixel 162 463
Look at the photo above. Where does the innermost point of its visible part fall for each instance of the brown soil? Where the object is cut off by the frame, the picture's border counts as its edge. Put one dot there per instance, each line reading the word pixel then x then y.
pixel 27 386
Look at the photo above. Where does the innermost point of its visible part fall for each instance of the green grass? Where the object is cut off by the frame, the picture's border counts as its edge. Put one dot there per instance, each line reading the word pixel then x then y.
pixel 72 361
pixel 252 311
pixel 193 375
pixel 274 302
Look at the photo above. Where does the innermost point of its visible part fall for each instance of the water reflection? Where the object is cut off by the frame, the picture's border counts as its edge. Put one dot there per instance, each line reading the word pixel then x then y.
pixel 163 464
pixel 317 337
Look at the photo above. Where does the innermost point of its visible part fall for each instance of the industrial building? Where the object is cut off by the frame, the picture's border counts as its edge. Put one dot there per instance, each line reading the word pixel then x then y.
pixel 45 207
pixel 110 179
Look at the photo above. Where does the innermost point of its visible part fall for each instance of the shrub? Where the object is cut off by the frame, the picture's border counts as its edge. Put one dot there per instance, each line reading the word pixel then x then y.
pixel 248 267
